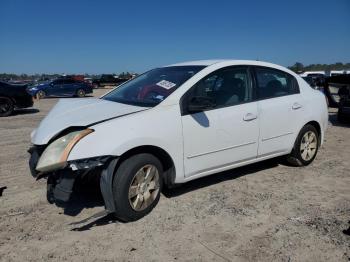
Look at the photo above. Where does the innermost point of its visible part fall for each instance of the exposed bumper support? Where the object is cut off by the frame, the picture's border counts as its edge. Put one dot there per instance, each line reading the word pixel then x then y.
pixel 60 186
pixel 60 183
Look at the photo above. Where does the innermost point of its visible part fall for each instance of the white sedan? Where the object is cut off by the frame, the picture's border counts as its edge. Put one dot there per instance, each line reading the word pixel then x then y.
pixel 174 124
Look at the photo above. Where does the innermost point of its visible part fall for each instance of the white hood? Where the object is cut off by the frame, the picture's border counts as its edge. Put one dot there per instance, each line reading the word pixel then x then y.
pixel 78 113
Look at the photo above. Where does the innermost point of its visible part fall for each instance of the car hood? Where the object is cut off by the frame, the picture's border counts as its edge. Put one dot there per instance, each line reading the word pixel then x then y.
pixel 78 112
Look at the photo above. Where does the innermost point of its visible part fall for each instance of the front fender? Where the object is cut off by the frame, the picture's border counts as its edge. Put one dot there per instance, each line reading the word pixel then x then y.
pixel 161 128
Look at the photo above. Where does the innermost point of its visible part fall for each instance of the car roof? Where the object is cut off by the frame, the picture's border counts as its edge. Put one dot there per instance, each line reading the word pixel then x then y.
pixel 199 62
pixel 229 62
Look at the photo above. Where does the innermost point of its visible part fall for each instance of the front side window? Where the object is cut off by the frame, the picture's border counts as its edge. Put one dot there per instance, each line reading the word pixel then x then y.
pixel 274 83
pixel 151 88
pixel 68 81
pixel 225 87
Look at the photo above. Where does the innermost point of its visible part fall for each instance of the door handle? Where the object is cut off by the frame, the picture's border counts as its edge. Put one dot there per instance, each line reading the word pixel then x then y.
pixel 296 106
pixel 250 117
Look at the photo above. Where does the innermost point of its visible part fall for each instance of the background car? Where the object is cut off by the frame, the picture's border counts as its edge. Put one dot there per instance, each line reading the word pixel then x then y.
pixel 332 86
pixel 62 88
pixel 13 96
pixel 108 80
pixel 344 104
pixel 310 81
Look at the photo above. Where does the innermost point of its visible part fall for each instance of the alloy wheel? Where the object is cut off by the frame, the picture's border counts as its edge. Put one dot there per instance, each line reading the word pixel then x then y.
pixel 81 93
pixel 144 187
pixel 41 94
pixel 308 146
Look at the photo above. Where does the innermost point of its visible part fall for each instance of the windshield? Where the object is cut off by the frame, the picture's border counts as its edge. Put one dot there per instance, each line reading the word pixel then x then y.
pixel 152 87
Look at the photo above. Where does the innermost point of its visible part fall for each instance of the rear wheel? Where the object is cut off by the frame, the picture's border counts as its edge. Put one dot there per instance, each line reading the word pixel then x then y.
pixel 6 106
pixel 136 186
pixel 80 93
pixel 305 147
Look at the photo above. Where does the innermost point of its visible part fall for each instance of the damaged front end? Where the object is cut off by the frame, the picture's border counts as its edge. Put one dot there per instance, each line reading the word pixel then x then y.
pixel 50 162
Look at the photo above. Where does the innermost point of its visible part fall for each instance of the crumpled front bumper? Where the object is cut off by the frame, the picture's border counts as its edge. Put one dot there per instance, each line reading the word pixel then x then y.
pixel 60 182
pixel 35 153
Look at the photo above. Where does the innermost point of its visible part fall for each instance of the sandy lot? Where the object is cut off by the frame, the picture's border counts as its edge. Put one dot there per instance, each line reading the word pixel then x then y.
pixel 263 212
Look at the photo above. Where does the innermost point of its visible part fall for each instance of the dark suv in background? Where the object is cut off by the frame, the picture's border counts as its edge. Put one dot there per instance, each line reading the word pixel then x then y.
pixel 13 96
pixel 108 80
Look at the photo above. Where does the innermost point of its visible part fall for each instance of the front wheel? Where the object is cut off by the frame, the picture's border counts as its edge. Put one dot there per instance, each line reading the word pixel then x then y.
pixel 6 106
pixel 41 94
pixel 136 186
pixel 305 147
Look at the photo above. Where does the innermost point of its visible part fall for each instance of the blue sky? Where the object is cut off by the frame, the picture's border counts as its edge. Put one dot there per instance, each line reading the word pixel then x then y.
pixel 112 36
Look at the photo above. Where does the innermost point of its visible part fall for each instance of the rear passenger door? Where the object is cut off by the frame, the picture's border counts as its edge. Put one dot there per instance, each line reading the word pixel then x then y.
pixel 280 107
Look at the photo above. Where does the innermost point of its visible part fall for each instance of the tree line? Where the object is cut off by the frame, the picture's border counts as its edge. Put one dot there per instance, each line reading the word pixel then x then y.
pixel 299 67
pixel 46 77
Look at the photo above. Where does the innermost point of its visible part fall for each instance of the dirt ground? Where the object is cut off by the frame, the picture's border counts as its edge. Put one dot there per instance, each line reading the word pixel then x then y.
pixel 263 212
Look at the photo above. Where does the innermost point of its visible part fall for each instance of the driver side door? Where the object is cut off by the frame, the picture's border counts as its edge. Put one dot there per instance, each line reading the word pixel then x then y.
pixel 220 137
pixel 55 88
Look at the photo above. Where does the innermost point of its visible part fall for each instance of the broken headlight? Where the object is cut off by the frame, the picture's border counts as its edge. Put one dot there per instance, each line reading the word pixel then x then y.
pixel 56 154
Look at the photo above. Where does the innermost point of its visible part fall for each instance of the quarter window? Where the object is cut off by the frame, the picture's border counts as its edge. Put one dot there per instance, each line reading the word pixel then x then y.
pixel 226 87
pixel 274 83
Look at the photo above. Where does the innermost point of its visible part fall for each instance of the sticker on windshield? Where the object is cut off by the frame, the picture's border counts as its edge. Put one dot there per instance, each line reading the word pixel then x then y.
pixel 166 84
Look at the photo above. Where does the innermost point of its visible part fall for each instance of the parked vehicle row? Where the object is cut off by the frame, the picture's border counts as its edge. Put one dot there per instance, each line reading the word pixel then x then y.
pixel 175 124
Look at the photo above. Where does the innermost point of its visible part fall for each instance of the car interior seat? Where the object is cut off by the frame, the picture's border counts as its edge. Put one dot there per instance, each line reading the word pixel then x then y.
pixel 233 91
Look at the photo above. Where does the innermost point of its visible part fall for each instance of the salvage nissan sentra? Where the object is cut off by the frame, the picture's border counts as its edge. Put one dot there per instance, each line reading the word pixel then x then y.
pixel 174 124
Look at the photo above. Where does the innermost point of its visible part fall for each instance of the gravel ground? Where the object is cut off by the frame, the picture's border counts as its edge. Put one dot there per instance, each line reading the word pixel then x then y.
pixel 262 212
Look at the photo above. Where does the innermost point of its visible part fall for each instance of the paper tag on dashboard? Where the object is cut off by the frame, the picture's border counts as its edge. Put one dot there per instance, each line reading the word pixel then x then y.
pixel 166 84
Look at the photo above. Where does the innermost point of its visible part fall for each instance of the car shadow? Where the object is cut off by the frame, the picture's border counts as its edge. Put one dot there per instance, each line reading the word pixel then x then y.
pixel 103 218
pixel 221 177
pixel 333 118
pixel 25 111
pixel 90 199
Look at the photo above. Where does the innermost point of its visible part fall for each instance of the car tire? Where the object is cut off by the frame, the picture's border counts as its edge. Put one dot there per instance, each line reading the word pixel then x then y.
pixel 81 93
pixel 137 185
pixel 40 94
pixel 6 106
pixel 305 147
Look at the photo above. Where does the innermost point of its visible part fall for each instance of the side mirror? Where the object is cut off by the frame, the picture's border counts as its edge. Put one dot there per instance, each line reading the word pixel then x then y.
pixel 200 104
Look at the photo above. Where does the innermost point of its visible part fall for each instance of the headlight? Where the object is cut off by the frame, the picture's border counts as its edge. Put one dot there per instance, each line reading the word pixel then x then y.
pixel 56 154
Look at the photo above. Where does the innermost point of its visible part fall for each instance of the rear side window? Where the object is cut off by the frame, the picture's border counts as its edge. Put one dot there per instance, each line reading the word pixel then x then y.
pixel 274 83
